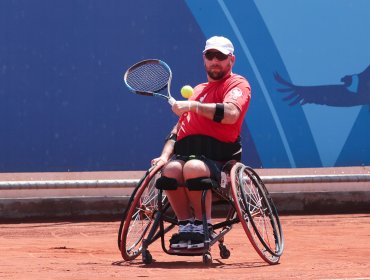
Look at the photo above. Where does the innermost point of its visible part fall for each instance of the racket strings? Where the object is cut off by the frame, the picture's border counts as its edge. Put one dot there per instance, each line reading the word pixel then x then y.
pixel 148 78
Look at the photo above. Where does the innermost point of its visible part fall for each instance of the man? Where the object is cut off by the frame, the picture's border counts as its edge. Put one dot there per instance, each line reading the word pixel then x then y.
pixel 205 137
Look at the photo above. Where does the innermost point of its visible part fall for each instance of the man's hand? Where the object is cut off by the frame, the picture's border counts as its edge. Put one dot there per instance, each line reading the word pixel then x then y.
pixel 157 160
pixel 181 107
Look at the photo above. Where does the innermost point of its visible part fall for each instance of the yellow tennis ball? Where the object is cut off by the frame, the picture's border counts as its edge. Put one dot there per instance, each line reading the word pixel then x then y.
pixel 186 91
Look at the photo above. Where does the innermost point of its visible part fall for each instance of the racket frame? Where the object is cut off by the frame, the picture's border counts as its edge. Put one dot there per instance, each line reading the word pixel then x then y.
pixel 156 93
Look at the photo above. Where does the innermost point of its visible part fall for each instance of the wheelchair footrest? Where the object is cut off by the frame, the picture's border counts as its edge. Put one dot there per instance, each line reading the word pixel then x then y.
pixel 187 252
pixel 196 252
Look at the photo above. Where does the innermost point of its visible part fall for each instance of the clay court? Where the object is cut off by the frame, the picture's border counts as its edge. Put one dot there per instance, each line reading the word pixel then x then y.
pixel 316 247
pixel 76 139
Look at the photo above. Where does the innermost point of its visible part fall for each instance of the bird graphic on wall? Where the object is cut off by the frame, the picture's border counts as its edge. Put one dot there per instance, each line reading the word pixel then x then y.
pixel 354 91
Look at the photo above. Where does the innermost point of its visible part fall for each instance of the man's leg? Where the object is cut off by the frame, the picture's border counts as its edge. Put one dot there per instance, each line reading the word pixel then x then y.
pixel 172 175
pixel 196 175
pixel 195 169
pixel 178 198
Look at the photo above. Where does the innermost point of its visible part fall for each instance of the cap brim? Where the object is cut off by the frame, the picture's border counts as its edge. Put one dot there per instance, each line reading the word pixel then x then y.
pixel 223 50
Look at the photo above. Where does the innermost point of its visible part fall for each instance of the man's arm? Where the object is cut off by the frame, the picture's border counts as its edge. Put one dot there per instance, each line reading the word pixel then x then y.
pixel 231 112
pixel 169 145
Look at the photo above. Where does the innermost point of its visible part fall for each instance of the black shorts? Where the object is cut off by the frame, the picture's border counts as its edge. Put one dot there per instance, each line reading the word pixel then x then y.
pixel 214 166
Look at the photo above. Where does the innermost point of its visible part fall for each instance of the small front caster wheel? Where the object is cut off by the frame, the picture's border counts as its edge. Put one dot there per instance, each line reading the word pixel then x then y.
pixel 207 259
pixel 224 252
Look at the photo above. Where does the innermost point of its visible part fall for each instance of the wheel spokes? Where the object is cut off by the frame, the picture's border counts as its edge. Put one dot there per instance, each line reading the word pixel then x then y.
pixel 257 214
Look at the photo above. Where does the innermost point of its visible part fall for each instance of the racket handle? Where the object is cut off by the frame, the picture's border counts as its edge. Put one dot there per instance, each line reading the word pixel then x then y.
pixel 171 100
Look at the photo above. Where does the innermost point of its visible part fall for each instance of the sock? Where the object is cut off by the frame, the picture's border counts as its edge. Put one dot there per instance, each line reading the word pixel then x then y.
pixel 185 222
pixel 198 222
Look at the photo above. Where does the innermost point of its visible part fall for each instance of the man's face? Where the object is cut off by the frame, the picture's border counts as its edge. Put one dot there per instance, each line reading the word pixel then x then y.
pixel 217 64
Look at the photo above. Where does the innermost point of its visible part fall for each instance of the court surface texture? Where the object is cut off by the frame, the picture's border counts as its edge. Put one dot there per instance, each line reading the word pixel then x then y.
pixel 316 247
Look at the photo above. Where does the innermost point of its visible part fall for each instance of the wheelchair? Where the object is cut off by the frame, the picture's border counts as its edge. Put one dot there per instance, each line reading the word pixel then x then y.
pixel 149 217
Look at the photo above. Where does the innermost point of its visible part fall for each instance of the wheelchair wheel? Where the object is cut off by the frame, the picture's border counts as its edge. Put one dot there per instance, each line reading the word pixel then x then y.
pixel 257 213
pixel 138 216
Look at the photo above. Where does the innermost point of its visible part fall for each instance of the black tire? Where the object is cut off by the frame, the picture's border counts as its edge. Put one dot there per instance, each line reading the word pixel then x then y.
pixel 207 259
pixel 257 213
pixel 138 216
pixel 147 257
pixel 224 252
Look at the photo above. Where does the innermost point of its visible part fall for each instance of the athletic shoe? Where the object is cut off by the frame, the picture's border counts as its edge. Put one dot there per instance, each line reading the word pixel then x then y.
pixel 197 237
pixel 180 240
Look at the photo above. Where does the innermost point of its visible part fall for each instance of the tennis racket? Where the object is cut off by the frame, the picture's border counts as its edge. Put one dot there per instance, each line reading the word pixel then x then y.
pixel 150 77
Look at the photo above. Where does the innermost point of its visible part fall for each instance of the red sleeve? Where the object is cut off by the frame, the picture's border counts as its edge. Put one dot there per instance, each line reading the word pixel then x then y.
pixel 239 95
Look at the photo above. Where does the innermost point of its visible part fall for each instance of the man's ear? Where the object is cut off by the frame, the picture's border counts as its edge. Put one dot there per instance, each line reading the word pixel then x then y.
pixel 232 61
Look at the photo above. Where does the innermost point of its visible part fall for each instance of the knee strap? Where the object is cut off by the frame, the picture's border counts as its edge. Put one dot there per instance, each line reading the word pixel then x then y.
pixel 200 183
pixel 166 183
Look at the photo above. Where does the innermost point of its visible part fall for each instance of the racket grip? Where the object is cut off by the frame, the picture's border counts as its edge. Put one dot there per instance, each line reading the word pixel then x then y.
pixel 171 100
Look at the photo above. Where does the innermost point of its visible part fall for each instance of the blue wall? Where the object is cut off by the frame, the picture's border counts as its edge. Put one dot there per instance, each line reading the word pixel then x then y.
pixel 63 105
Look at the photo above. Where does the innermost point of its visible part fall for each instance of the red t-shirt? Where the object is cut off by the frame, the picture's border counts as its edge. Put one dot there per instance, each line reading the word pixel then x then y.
pixel 232 89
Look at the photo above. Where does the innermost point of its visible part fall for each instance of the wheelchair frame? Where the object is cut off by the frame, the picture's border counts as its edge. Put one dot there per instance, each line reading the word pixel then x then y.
pixel 148 217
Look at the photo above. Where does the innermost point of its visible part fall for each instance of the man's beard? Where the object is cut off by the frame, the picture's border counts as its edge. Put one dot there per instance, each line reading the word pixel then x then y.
pixel 217 75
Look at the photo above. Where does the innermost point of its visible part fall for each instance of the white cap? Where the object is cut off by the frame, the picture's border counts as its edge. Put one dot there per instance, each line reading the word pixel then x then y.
pixel 219 43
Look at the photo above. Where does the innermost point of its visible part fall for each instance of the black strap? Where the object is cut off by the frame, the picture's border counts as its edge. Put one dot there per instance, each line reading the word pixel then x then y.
pixel 209 147
pixel 171 136
pixel 219 112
